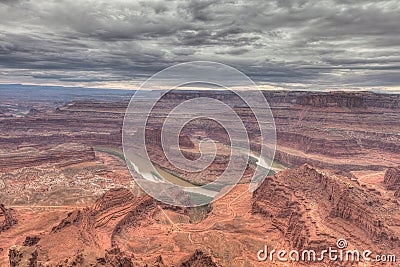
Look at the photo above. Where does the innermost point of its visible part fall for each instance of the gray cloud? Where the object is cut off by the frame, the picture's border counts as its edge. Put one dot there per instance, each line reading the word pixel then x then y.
pixel 314 44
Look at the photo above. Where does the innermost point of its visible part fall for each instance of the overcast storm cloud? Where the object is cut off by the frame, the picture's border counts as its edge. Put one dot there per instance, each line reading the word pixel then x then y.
pixel 285 44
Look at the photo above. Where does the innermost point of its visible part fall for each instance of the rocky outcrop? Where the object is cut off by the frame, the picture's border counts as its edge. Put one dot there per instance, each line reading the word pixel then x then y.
pixel 159 262
pixel 60 155
pixel 85 106
pixel 273 199
pixel 115 203
pixel 73 218
pixel 397 193
pixel 7 218
pixel 115 257
pixel 116 209
pixel 309 207
pixel 199 259
pixel 31 241
pixel 23 256
pixel 140 214
pixel 392 179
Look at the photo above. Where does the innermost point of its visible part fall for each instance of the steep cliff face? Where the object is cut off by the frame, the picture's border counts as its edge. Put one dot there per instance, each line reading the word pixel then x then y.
pixel 88 122
pixel 294 161
pixel 382 101
pixel 332 146
pixel 273 199
pixel 392 179
pixel 319 99
pixel 60 155
pixel 313 207
pixel 306 122
pixel 334 99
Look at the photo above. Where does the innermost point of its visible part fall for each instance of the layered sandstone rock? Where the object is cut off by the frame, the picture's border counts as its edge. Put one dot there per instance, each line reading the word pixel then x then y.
pixel 296 160
pixel 109 211
pixel 358 127
pixel 60 155
pixel 85 230
pixel 334 99
pixel 97 228
pixel 392 179
pixel 311 207
pixel 315 142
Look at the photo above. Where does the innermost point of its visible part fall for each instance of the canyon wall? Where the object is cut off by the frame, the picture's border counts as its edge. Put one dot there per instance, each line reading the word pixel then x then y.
pixel 60 155
pixel 392 180
pixel 313 207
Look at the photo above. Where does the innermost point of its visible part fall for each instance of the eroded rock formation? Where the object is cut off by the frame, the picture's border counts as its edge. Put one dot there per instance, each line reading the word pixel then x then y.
pixel 312 207
pixel 7 218
pixel 99 228
pixel 87 229
pixel 392 179
pixel 311 125
pixel 333 99
pixel 199 259
pixel 308 207
pixel 60 155
pixel 23 256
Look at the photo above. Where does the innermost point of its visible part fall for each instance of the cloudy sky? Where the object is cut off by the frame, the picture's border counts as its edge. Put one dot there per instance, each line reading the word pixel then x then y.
pixel 299 44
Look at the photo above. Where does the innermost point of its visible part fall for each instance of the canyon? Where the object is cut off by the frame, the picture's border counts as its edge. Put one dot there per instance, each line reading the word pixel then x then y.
pixel 68 199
